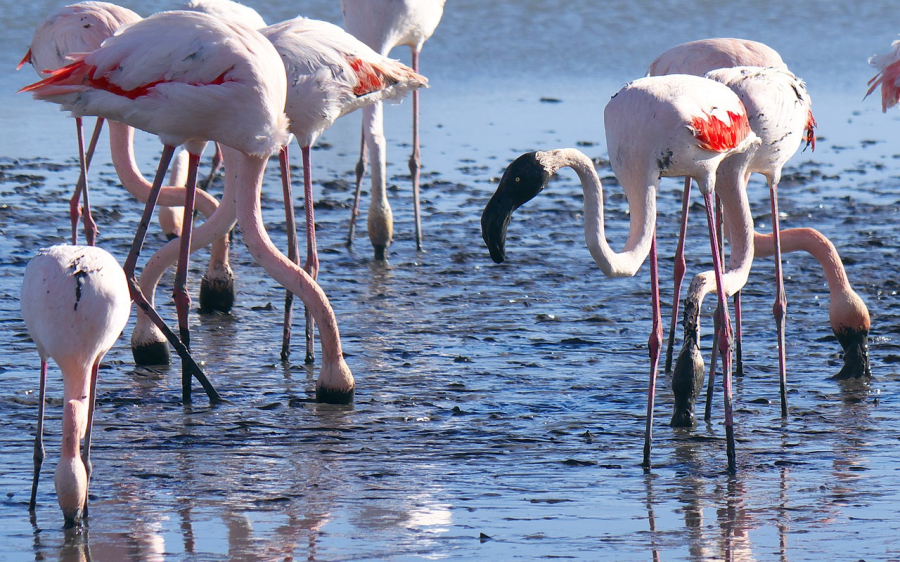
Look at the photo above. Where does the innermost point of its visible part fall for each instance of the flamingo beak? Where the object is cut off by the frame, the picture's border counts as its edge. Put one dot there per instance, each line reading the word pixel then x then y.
pixel 521 182
pixel 494 221
pixel 855 343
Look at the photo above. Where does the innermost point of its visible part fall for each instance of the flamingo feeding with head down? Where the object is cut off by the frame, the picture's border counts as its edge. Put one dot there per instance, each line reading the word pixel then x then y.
pixel 330 74
pixel 79 28
pixel 383 25
pixel 189 77
pixel 658 126
pixel 75 303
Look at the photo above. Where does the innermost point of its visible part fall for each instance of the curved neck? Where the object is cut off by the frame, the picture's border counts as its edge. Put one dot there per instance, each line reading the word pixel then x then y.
pixel 373 131
pixel 641 225
pixel 814 243
pixel 249 170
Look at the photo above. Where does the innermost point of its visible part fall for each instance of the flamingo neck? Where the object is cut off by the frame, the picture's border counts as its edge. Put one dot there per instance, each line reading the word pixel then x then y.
pixel 249 176
pixel 641 224
pixel 74 423
pixel 814 243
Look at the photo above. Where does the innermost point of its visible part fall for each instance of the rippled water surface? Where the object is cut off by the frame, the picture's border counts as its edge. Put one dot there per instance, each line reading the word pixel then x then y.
pixel 500 409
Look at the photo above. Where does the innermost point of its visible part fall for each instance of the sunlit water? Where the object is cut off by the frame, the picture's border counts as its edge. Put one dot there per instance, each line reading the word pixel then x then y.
pixel 500 409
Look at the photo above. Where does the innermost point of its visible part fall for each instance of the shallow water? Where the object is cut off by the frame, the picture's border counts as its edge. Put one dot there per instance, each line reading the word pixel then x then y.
pixel 500 409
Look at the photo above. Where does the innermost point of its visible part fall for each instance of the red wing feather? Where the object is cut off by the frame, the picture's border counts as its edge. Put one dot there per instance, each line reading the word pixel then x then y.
pixel 719 136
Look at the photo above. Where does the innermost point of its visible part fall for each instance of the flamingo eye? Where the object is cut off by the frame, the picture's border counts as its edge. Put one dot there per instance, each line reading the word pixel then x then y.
pixel 518 179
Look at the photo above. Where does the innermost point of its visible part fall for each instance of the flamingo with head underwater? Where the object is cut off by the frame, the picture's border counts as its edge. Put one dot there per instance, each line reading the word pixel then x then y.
pixel 656 126
pixel 383 25
pixel 78 28
pixel 189 78
pixel 75 303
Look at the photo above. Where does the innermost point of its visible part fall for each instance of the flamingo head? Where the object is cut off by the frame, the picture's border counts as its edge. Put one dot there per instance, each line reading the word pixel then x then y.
pixel 521 182
pixel 855 343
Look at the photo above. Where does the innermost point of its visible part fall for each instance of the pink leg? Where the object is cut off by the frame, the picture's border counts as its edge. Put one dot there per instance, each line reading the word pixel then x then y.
pixel 678 273
pixel 74 203
pixel 39 438
pixel 293 251
pixel 216 166
pixel 179 291
pixel 134 287
pixel 90 227
pixel 724 339
pixel 779 309
pixel 312 255
pixel 86 452
pixel 415 164
pixel 654 345
pixel 710 387
pixel 360 174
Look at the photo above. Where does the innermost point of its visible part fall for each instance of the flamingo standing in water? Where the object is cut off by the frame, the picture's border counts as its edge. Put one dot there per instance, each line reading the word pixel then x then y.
pixel 79 28
pixel 330 74
pixel 383 25
pixel 75 303
pixel 657 126
pixel 697 58
pixel 189 78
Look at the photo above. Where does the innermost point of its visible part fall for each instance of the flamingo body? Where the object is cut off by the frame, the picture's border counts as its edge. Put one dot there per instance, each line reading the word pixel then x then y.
pixel 227 10
pixel 78 28
pixel 699 57
pixel 75 303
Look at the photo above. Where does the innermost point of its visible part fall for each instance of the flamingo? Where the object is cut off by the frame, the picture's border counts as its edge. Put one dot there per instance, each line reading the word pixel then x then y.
pixel 383 25
pixel 75 303
pixel 189 78
pixel 657 126
pixel 171 218
pixel 331 73
pixel 697 58
pixel 780 114
pixel 79 28
pixel 888 76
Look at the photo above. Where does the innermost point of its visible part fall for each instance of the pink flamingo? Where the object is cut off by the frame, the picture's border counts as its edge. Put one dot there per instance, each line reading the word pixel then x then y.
pixel 75 303
pixel 189 77
pixel 697 58
pixel 383 25
pixel 331 73
pixel 656 126
pixel 888 76
pixel 79 28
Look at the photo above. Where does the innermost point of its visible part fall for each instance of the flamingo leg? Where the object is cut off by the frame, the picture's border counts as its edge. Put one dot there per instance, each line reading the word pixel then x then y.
pixel 779 309
pixel 710 387
pixel 214 171
pixel 74 202
pixel 134 287
pixel 725 336
pixel 678 272
pixel 39 438
pixel 293 251
pixel 738 336
pixel 179 292
pixel 415 163
pixel 360 174
pixel 654 345
pixel 312 255
pixel 90 227
pixel 86 452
